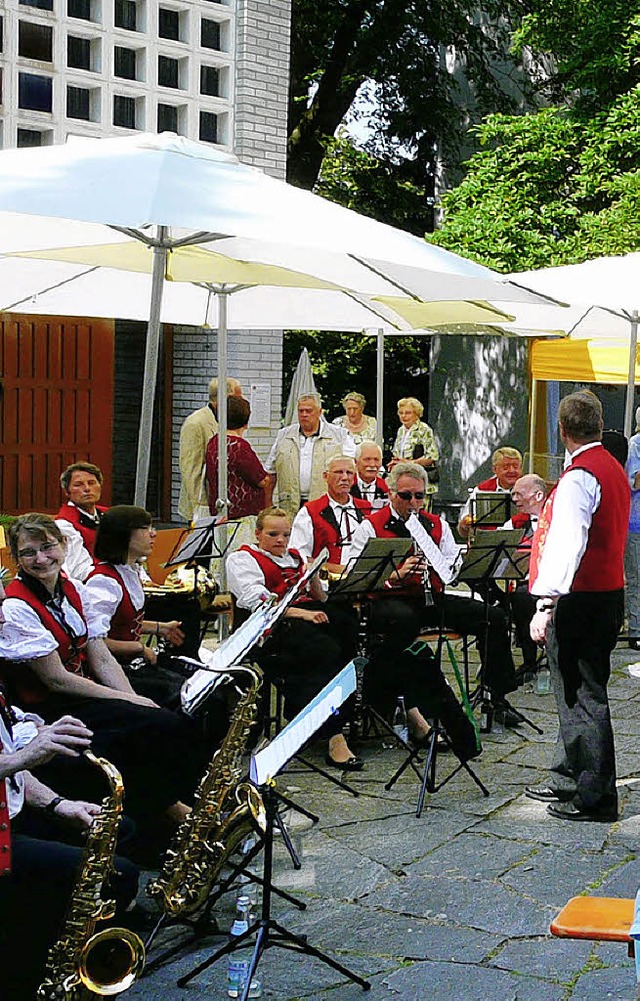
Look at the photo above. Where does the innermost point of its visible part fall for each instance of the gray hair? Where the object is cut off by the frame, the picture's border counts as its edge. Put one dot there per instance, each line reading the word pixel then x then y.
pixel 406 469
pixel 367 444
pixel 533 481
pixel 310 396
pixel 335 457
pixel 356 397
pixel 232 387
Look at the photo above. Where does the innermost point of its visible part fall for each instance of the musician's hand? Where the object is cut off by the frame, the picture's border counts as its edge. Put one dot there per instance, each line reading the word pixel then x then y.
pixel 318 617
pixel 77 812
pixel 464 525
pixel 412 565
pixel 68 736
pixel 149 655
pixel 171 631
pixel 538 626
pixel 138 700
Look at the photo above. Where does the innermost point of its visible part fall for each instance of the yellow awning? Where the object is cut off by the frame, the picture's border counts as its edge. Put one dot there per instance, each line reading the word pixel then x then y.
pixel 569 360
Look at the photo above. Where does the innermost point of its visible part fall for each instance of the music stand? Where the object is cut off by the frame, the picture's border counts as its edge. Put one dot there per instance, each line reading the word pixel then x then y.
pixel 265 765
pixel 491 508
pixel 495 556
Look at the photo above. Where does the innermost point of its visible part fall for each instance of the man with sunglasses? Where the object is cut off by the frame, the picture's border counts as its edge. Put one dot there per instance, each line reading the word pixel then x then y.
pixel 407 612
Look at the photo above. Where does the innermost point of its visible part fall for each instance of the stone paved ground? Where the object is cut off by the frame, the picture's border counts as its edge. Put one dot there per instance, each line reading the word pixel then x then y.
pixel 455 905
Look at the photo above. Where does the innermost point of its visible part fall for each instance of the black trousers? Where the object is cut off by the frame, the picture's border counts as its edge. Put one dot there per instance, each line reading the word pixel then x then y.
pixel 34 900
pixel 307 655
pixel 161 754
pixel 523 606
pixel 581 636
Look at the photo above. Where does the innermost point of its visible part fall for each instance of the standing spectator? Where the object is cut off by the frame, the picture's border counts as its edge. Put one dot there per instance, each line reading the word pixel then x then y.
pixel 632 551
pixel 79 517
pixel 247 477
pixel 299 454
pixel 576 574
pixel 195 433
pixel 355 421
pixel 415 441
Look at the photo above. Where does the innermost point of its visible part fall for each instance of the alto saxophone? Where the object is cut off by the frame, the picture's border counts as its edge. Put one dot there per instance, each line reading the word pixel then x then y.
pixel 225 811
pixel 105 962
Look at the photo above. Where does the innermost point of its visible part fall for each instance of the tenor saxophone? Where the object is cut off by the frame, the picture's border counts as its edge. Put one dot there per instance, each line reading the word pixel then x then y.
pixel 225 811
pixel 106 962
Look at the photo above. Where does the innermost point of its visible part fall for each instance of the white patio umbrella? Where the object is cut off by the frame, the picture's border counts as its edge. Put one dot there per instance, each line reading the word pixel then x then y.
pixel 302 382
pixel 611 283
pixel 171 208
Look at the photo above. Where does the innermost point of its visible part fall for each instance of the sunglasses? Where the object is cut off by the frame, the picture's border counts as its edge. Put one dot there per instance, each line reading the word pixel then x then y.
pixel 406 495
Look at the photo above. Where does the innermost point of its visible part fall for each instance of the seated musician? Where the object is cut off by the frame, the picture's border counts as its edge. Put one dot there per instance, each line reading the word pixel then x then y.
pixel 310 645
pixel 56 662
pixel 407 490
pixel 367 485
pixel 38 868
pixel 126 537
pixel 507 468
pixel 529 494
pixel 331 519
pixel 79 516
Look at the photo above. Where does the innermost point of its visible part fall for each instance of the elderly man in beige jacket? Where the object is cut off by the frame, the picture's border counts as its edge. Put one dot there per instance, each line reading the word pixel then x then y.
pixel 198 428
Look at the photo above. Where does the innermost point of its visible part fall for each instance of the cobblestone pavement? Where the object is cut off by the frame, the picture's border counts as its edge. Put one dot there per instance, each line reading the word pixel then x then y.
pixel 455 905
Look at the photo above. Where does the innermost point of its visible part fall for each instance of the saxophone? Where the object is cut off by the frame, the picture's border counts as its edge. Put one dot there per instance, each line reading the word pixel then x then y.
pixel 83 960
pixel 225 811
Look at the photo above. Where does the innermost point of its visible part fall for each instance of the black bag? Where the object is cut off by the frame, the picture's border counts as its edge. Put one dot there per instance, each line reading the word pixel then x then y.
pixel 433 473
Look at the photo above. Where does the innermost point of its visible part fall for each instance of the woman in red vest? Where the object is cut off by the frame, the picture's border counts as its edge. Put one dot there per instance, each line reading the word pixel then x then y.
pixel 56 663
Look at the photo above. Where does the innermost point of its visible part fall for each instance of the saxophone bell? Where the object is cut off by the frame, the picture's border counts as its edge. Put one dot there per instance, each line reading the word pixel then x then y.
pixel 111 961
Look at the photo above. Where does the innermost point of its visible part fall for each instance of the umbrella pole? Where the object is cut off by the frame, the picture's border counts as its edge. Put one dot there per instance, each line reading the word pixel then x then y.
pixel 222 504
pixel 532 419
pixel 631 381
pixel 150 376
pixel 380 387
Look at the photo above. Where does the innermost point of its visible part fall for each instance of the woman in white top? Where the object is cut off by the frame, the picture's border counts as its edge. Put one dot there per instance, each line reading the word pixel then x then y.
pixel 355 421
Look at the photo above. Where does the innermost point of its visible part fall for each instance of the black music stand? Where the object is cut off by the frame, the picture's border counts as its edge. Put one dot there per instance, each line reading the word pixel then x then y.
pixel 264 766
pixel 495 556
pixel 367 575
pixel 491 508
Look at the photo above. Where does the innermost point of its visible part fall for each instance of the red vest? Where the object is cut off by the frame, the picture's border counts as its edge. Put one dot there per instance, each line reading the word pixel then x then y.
pixel 126 623
pixel 490 484
pixel 326 531
pixel 277 579
pixel 381 490
pixel 70 648
pixel 86 526
pixel 385 528
pixel 601 566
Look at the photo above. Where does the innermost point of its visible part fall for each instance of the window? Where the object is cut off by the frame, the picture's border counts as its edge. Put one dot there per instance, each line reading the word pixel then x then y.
pixel 35 41
pixel 168 75
pixel 78 103
pixel 167 118
pixel 124 62
pixel 209 34
pixel 79 8
pixel 41 5
pixel 210 81
pixel 29 137
pixel 208 127
pixel 35 93
pixel 124 111
pixel 169 24
pixel 78 53
pixel 125 15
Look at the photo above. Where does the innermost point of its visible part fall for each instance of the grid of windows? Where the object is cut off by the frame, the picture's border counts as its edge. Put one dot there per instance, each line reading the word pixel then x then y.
pixel 87 67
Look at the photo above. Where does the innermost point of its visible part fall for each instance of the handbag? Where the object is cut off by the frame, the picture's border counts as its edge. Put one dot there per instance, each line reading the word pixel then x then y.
pixel 433 473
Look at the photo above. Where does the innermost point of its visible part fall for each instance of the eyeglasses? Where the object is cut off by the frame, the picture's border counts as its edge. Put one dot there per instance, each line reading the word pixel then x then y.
pixel 30 554
pixel 406 495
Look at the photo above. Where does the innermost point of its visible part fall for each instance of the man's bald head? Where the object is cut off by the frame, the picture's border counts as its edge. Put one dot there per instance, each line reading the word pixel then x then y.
pixel 529 494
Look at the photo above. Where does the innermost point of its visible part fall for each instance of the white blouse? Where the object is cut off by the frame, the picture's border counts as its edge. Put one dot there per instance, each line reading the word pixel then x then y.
pixel 24 637
pixel 106 594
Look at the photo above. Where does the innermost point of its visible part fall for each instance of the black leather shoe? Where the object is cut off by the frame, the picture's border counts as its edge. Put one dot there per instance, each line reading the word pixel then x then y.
pixel 634 643
pixel 352 764
pixel 544 793
pixel 569 811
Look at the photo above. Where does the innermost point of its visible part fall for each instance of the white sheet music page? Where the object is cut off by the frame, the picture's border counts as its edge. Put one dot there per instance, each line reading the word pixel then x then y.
pixel 429 549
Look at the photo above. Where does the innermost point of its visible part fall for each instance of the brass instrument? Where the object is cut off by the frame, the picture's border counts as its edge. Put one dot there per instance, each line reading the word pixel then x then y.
pixel 105 962
pixel 225 811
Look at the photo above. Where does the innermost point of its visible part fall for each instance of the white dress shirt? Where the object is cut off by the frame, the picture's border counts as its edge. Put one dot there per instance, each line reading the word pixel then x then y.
pixel 576 500
pixel 78 561
pixel 449 548
pixel 24 730
pixel 302 532
pixel 246 579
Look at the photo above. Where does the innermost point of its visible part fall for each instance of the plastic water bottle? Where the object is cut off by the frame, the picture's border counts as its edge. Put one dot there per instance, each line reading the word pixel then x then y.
pixel 250 888
pixel 240 959
pixel 400 722
pixel 543 681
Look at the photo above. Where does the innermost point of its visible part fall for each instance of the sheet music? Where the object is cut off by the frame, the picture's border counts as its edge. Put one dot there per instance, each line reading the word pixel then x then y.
pixel 430 550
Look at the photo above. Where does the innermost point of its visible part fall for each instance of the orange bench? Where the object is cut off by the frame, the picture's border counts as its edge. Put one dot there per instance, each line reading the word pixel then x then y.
pixel 602 919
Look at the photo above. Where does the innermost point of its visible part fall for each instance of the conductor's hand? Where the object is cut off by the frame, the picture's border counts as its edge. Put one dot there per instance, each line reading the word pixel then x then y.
pixel 77 812
pixel 68 736
pixel 539 625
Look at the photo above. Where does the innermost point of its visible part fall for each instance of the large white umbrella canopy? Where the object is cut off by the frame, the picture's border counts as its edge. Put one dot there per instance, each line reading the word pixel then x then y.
pixel 611 283
pixel 172 208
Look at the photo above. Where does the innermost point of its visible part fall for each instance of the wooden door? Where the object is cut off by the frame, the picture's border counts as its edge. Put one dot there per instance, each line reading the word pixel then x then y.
pixel 56 407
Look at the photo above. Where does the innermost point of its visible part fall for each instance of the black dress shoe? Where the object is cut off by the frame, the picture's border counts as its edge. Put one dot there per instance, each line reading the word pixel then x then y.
pixel 544 793
pixel 634 643
pixel 569 811
pixel 352 764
